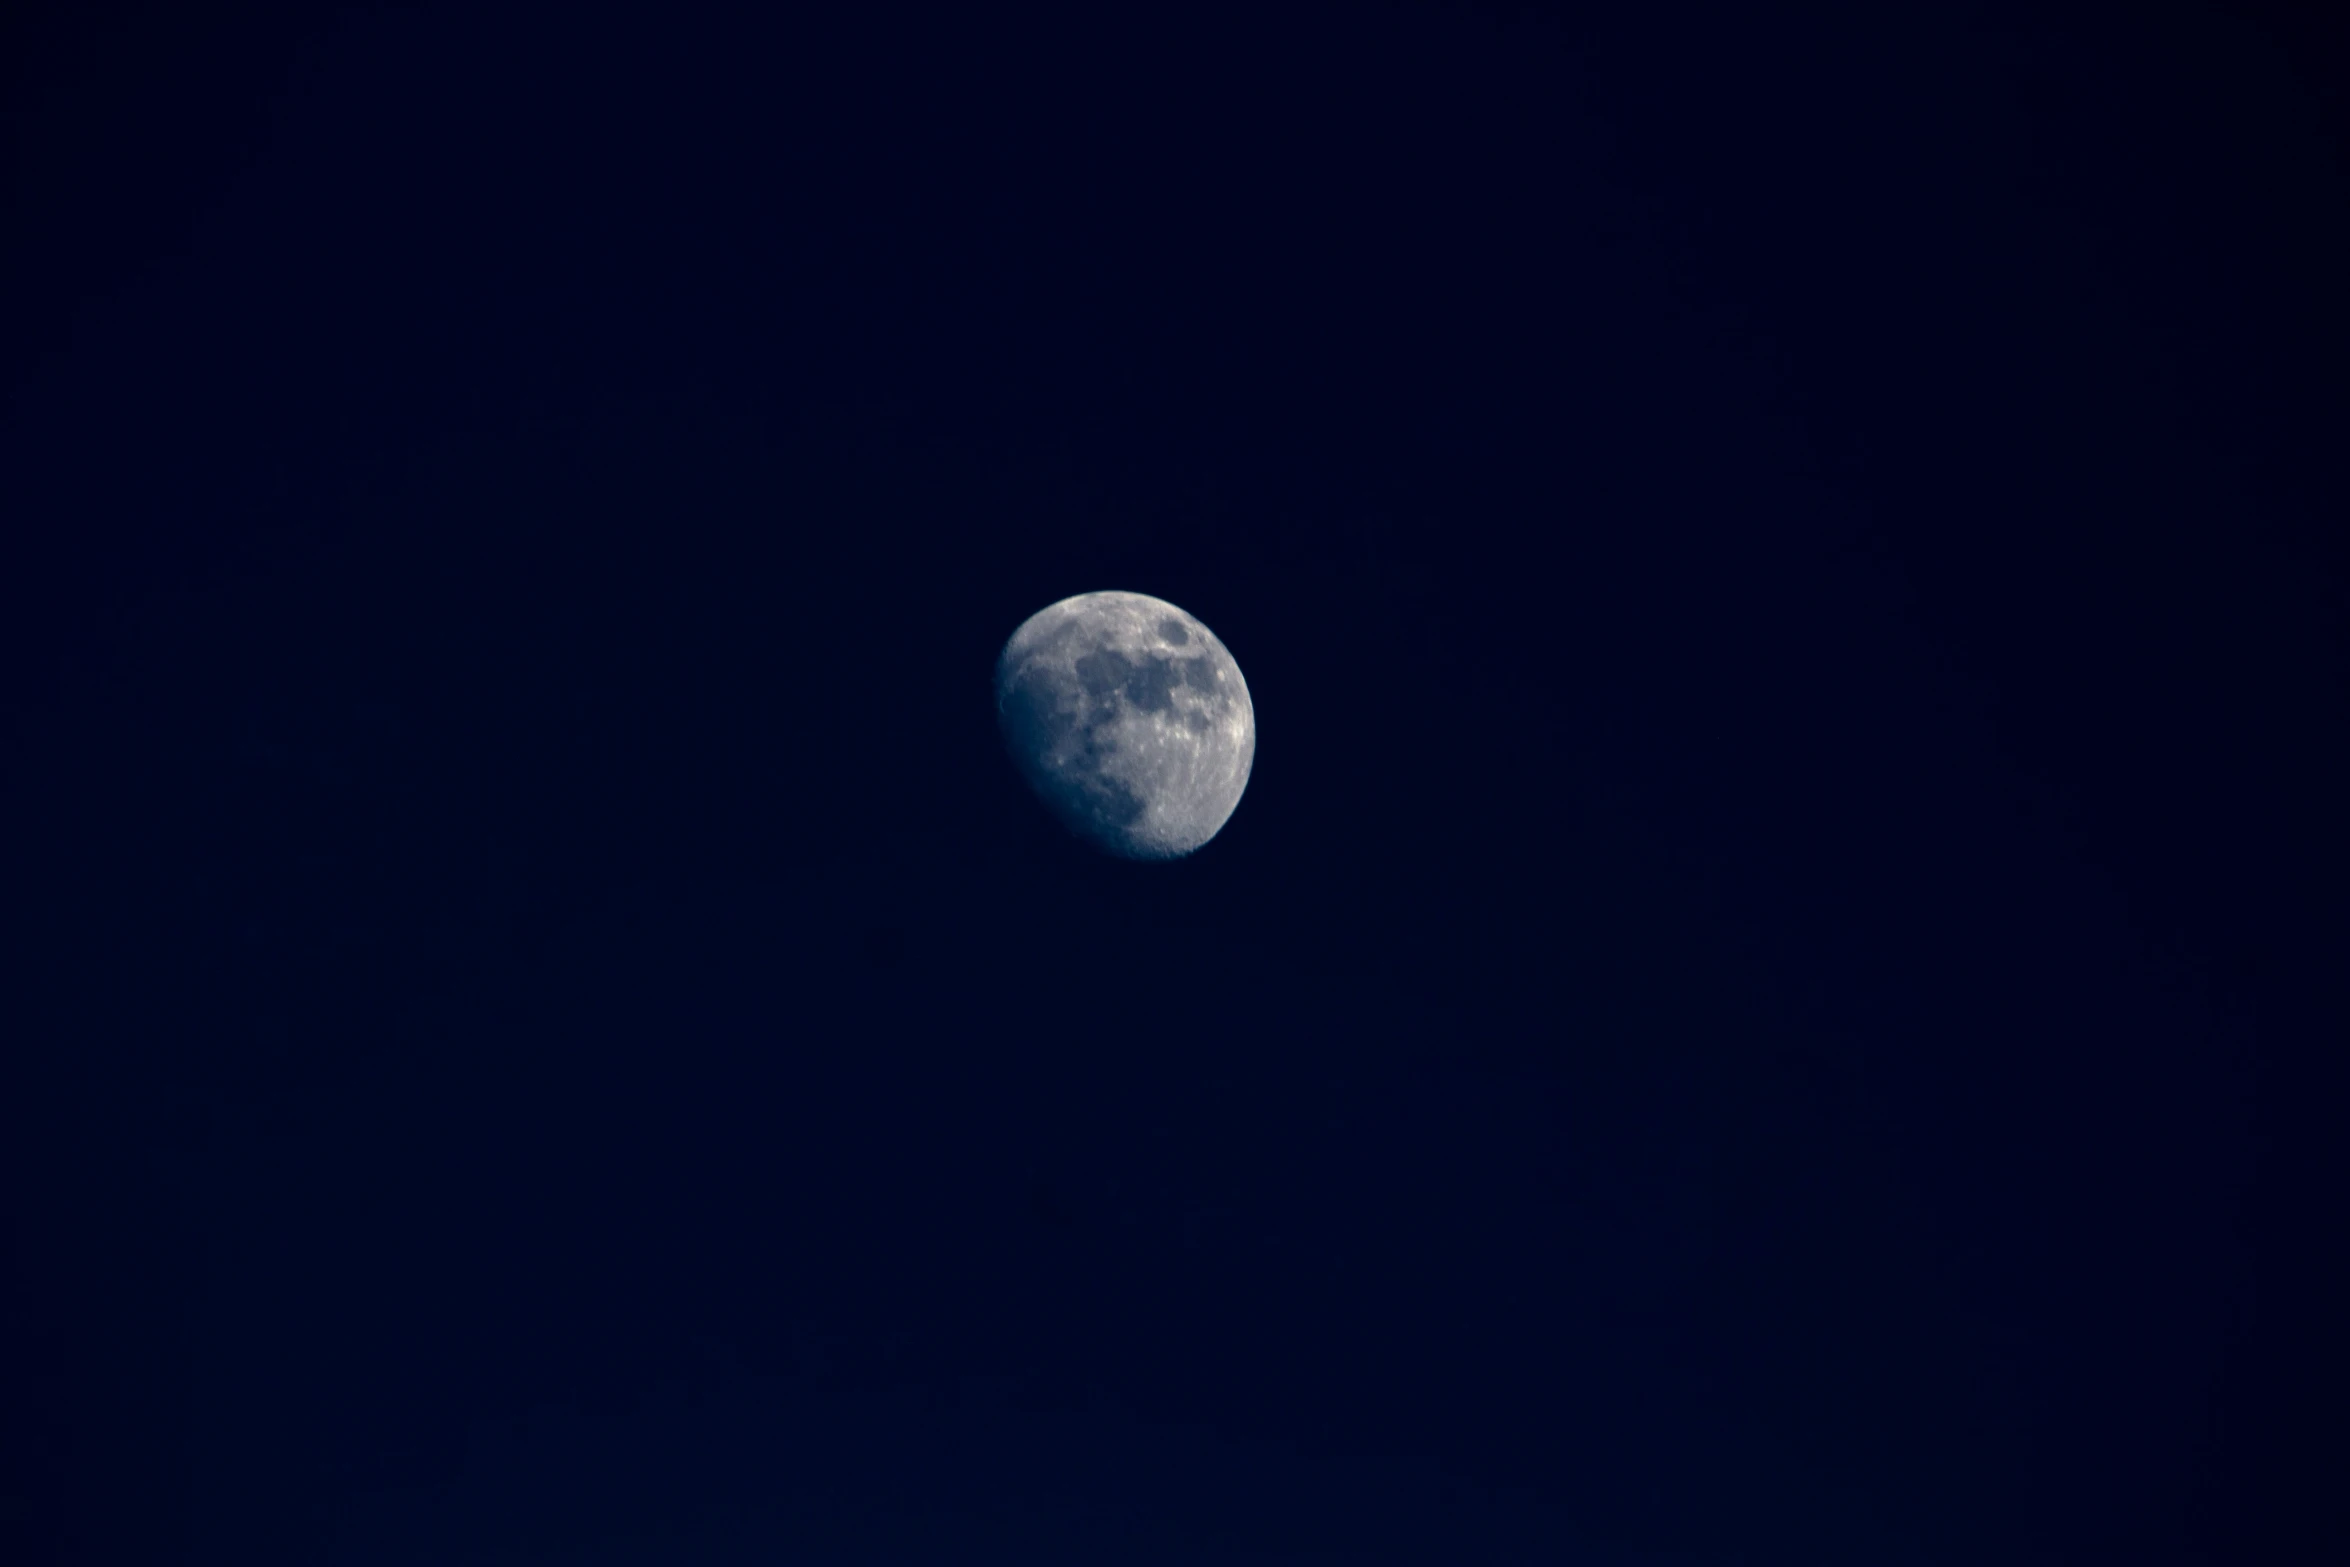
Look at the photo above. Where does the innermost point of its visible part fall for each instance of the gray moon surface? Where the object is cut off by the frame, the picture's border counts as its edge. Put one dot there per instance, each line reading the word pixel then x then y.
pixel 1129 720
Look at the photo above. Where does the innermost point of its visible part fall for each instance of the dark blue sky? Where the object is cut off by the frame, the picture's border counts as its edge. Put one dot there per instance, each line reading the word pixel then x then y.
pixel 1762 1004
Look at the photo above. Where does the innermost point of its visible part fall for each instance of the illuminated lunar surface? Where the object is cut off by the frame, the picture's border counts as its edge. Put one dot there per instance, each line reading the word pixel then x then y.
pixel 1129 720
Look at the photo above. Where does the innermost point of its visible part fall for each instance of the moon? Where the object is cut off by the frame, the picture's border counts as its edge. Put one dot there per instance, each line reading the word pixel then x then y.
pixel 1129 720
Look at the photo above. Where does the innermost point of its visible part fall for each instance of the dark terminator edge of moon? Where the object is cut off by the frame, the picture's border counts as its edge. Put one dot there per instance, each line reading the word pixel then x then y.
pixel 1129 720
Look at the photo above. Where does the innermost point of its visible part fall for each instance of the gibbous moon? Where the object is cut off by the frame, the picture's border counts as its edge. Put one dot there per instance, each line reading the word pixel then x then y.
pixel 1129 720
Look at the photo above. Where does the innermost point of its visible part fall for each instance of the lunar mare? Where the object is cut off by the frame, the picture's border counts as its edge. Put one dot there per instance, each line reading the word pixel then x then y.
pixel 1129 720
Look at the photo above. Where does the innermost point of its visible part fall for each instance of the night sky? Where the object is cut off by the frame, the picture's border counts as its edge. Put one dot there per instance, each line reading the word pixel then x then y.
pixel 1765 1002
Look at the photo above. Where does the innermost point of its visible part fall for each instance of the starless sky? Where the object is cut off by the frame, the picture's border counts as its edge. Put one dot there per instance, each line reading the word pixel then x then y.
pixel 1759 1006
